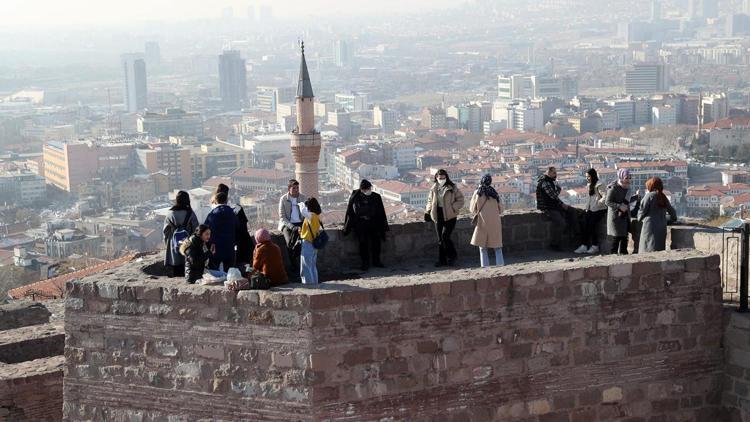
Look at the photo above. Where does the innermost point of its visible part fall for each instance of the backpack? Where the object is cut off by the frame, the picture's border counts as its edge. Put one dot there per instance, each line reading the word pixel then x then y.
pixel 180 234
pixel 321 240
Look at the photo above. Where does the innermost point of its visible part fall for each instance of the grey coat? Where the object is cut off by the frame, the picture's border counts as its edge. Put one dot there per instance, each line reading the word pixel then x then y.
pixel 617 222
pixel 171 222
pixel 654 218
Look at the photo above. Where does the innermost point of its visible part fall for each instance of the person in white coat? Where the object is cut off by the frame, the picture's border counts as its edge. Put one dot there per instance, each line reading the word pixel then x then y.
pixel 596 210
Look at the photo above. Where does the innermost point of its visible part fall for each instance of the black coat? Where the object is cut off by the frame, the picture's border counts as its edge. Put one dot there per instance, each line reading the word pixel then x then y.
pixel 245 242
pixel 365 212
pixel 197 254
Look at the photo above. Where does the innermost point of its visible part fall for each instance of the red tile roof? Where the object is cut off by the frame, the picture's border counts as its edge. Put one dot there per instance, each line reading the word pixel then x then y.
pixel 54 288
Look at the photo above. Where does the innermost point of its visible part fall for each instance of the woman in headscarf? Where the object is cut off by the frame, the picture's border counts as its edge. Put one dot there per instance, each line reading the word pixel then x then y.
pixel 488 232
pixel 267 258
pixel 653 213
pixel 596 209
pixel 618 212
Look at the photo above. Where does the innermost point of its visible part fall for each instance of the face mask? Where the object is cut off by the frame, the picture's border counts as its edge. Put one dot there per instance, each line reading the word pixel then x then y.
pixel 367 192
pixel 442 181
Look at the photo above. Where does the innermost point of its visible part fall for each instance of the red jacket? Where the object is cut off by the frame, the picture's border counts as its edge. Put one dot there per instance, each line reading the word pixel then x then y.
pixel 268 260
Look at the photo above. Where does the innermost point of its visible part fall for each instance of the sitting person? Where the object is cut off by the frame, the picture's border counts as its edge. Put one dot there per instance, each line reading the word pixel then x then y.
pixel 267 258
pixel 197 251
pixel 559 213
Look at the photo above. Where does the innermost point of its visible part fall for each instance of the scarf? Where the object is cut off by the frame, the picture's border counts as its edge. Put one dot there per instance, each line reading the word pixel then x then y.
pixel 485 188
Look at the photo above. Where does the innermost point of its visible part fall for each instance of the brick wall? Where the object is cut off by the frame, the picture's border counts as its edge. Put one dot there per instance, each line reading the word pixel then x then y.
pixel 32 342
pixel 22 313
pixel 736 397
pixel 595 339
pixel 32 390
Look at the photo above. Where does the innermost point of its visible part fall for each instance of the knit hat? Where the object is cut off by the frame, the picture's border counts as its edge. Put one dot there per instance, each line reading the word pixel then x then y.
pixel 623 174
pixel 365 184
pixel 262 235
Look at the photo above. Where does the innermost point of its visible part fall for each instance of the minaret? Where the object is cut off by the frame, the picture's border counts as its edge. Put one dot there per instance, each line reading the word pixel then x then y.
pixel 305 140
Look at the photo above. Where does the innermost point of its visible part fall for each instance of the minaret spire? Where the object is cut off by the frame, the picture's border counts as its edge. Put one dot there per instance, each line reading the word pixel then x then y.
pixel 304 87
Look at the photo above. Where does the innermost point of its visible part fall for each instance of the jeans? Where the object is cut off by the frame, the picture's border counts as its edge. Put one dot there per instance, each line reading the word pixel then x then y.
pixel 619 245
pixel 444 229
pixel 484 256
pixel 562 218
pixel 308 269
pixel 592 222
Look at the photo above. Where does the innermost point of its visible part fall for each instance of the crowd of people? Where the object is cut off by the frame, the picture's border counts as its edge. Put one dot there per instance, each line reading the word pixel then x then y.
pixel 626 213
pixel 223 241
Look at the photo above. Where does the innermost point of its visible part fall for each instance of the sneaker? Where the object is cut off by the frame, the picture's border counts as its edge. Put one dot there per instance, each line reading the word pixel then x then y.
pixel 581 249
pixel 593 250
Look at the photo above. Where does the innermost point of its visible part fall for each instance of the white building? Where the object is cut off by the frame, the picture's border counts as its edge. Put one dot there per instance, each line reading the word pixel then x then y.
pixel 21 188
pixel 663 115
pixel 174 122
pixel 525 119
pixel 625 109
pixel 385 118
pixel 351 102
pixel 520 86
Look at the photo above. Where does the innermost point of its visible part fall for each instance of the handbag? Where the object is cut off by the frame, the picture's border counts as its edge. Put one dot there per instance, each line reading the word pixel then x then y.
pixel 475 219
pixel 259 281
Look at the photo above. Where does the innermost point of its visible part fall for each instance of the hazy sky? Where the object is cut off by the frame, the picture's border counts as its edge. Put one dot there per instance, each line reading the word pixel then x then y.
pixel 33 13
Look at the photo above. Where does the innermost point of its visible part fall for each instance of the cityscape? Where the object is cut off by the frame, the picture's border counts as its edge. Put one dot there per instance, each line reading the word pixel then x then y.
pixel 99 129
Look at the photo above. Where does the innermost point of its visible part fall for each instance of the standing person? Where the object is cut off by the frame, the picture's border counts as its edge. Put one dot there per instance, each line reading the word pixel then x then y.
pixel 365 214
pixel 223 223
pixel 290 219
pixel 179 223
pixel 444 202
pixel 618 212
pixel 549 203
pixel 308 268
pixel 596 209
pixel 488 233
pixel 245 242
pixel 267 258
pixel 197 251
pixel 653 213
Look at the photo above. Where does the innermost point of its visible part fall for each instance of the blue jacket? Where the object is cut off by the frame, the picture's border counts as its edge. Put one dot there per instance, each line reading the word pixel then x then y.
pixel 223 223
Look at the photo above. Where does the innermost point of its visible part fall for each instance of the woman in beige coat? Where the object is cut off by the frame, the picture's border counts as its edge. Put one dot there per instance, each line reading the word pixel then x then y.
pixel 444 202
pixel 488 233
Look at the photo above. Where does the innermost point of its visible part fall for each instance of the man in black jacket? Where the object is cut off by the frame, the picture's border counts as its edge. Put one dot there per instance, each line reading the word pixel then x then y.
pixel 244 241
pixel 548 201
pixel 365 214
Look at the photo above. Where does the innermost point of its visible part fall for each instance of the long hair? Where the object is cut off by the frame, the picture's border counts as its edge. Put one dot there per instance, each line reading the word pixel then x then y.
pixel 594 180
pixel 181 201
pixel 655 184
pixel 313 206
pixel 442 172
pixel 201 229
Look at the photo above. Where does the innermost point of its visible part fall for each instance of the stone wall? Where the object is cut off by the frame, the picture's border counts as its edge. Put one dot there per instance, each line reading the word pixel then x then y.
pixel 31 363
pixel 736 397
pixel 602 338
pixel 413 241
pixel 22 313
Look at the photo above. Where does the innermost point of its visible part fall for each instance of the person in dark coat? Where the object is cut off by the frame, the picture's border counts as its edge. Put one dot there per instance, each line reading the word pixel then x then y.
pixel 618 212
pixel 549 203
pixel 365 214
pixel 181 215
pixel 245 242
pixel 653 213
pixel 223 223
pixel 197 251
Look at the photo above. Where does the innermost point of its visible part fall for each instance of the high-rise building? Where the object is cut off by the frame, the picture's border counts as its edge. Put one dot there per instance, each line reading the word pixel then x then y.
pixel 21 187
pixel 524 119
pixel 341 53
pixel 706 9
pixel 655 10
pixel 746 7
pixel 433 118
pixel 647 78
pixel 170 158
pixel 714 107
pixel 384 118
pixel 305 139
pixel 174 122
pixel 152 53
pixel 663 115
pixel 69 165
pixel 356 101
pixel 232 80
pixel 268 97
pixel 135 88
pixel 511 87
